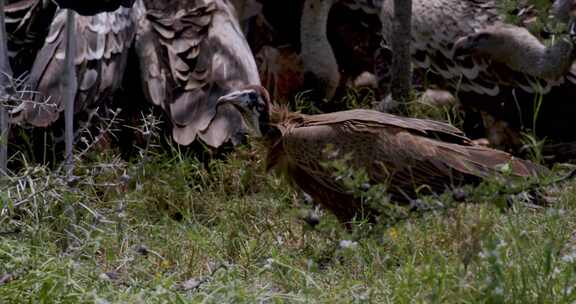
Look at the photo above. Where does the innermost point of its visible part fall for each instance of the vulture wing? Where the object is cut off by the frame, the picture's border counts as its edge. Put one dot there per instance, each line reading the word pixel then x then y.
pixel 102 44
pixel 396 151
pixel 424 127
pixel 191 53
pixel 27 24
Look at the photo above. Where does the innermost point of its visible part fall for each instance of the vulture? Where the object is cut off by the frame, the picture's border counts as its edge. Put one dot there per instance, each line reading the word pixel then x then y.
pixel 191 52
pixel 404 154
pixel 102 44
pixel 516 48
pixel 488 87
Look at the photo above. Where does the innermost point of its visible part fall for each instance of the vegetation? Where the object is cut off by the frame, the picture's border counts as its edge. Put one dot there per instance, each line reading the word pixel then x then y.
pixel 167 227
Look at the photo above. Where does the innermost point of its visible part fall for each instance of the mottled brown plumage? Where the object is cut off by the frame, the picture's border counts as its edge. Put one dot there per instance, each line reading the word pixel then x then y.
pixel 402 153
pixel 191 53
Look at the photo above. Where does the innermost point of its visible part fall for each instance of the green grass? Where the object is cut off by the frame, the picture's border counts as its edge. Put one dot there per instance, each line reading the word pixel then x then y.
pixel 240 233
pixel 173 229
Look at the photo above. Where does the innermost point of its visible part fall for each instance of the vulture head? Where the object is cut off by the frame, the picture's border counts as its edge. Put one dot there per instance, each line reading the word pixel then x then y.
pixel 505 39
pixel 253 103
pixel 496 39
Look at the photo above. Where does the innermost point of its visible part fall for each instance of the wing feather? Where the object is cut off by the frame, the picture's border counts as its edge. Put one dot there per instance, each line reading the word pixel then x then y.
pixel 27 23
pixel 99 69
pixel 373 120
pixel 405 159
pixel 192 52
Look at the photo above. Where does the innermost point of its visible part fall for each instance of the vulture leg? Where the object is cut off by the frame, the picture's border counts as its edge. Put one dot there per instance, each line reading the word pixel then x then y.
pixel 401 69
pixel 5 74
pixel 383 62
pixel 71 86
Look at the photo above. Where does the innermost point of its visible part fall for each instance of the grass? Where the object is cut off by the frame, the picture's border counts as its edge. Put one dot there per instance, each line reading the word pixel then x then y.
pixel 173 229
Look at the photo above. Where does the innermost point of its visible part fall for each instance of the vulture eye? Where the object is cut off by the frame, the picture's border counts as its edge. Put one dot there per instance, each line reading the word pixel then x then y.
pixel 253 96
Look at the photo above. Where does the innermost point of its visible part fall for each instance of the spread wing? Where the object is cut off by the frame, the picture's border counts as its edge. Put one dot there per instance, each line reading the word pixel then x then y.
pixel 191 53
pixel 402 158
pixel 102 44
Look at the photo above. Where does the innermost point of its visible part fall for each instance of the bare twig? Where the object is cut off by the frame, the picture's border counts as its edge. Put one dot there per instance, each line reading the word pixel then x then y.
pixel 101 134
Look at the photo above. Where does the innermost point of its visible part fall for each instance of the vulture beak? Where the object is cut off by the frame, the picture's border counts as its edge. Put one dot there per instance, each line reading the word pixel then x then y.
pixel 249 104
pixel 463 47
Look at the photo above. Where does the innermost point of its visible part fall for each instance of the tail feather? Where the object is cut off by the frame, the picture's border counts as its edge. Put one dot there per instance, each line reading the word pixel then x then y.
pixel 482 161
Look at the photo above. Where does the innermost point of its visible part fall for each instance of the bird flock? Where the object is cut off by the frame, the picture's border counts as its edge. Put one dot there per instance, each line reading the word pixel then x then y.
pixel 219 69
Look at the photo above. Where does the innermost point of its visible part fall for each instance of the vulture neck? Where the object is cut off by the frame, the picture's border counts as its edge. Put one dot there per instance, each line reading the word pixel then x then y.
pixel 280 120
pixel 530 56
pixel 317 55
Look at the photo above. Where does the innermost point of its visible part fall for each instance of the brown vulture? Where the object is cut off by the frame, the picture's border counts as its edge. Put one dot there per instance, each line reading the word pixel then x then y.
pixel 404 154
pixel 192 52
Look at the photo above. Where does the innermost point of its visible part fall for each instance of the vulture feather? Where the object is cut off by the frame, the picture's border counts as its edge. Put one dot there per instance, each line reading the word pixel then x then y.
pixel 402 153
pixel 27 24
pixel 191 53
pixel 93 7
pixel 102 45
